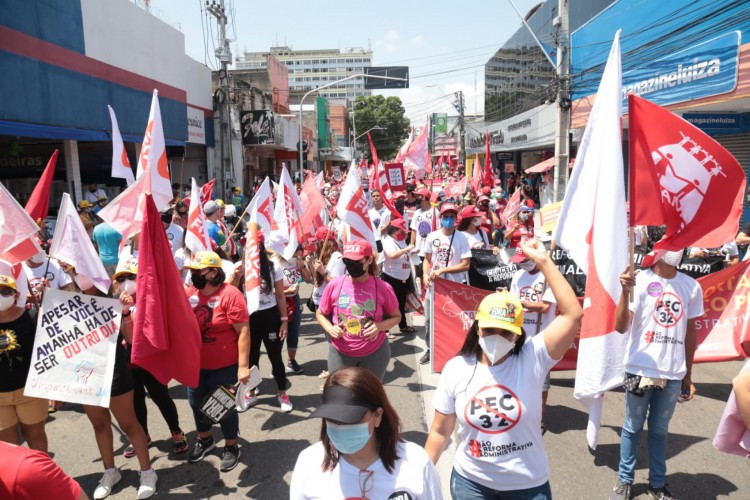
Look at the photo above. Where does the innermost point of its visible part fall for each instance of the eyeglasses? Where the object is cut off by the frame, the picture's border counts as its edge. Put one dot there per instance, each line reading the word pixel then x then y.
pixel 7 292
pixel 365 483
pixel 123 277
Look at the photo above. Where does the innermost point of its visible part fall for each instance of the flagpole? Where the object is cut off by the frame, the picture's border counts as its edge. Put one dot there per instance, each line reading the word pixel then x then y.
pixel 237 225
pixel 182 170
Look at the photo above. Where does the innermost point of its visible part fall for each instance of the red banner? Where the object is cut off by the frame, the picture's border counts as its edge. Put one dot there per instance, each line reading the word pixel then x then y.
pixel 453 314
pixel 724 332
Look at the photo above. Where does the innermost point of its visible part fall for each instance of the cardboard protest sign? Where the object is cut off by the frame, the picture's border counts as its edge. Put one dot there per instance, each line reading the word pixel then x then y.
pixel 336 173
pixel 74 348
pixel 396 179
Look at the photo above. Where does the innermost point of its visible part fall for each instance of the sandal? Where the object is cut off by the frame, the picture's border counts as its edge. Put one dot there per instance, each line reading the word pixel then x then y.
pixel 409 329
pixel 390 336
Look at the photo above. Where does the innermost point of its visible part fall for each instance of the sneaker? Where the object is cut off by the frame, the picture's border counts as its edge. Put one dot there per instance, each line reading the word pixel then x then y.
pixel 148 484
pixel 425 358
pixel 660 493
pixel 250 401
pixel 230 458
pixel 621 491
pixel 179 443
pixel 130 451
pixel 286 404
pixel 201 449
pixel 106 483
pixel 294 367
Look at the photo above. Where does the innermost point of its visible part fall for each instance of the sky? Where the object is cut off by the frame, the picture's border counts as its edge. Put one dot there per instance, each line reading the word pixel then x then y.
pixel 444 43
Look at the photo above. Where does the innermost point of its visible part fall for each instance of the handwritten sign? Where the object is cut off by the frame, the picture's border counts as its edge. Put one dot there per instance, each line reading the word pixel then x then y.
pixel 74 348
pixel 395 172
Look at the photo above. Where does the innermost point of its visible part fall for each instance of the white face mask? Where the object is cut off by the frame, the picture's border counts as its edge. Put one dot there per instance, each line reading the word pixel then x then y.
pixel 128 286
pixel 672 258
pixel 527 265
pixel 38 258
pixel 477 221
pixel 495 347
pixel 83 282
pixel 7 302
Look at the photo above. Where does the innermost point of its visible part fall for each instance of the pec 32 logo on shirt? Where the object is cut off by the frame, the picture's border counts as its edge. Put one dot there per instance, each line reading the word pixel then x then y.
pixel 493 410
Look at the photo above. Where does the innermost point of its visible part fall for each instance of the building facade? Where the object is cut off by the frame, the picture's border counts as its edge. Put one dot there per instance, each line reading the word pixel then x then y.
pixel 309 69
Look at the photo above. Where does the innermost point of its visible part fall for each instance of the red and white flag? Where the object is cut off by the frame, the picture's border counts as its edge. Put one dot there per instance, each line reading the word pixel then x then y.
pixel 72 245
pixel 22 283
pixel 120 163
pixel 260 209
pixel 288 234
pixel 682 178
pixel 196 233
pixel 312 204
pixel 125 213
pixel 38 204
pixel 417 157
pixel 401 155
pixel 456 189
pixel 488 176
pixel 593 229
pixel 476 176
pixel 352 209
pixel 512 208
pixel 18 230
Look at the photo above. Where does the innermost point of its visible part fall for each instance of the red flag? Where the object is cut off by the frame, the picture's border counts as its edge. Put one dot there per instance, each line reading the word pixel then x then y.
pixel 488 177
pixel 312 203
pixel 38 205
pixel 166 338
pixel 440 162
pixel 699 183
pixel 385 190
pixel 373 151
pixel 451 163
pixel 512 208
pixel 207 191
pixel 476 176
pixel 417 156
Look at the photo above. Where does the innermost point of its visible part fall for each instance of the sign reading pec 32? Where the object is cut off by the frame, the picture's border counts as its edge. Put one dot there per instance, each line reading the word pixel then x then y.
pixel 706 69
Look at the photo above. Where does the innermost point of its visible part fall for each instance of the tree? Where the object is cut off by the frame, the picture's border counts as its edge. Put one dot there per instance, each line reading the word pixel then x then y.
pixel 385 112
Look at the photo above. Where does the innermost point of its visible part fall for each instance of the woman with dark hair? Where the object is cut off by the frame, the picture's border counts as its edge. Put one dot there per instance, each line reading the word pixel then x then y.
pixel 470 226
pixel 397 268
pixel 221 312
pixel 361 453
pixel 364 308
pixel 329 264
pixel 493 389
pixel 269 325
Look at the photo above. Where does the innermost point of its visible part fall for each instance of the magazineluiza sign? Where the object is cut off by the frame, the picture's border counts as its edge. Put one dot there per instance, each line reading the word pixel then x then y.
pixel 709 68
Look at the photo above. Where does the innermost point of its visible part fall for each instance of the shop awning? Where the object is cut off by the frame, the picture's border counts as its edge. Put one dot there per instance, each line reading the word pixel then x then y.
pixel 542 167
pixel 38 131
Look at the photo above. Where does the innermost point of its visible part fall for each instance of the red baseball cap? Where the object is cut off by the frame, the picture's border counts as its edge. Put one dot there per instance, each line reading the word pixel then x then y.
pixel 357 250
pixel 519 256
pixel 399 223
pixel 469 212
pixel 486 190
pixel 423 192
pixel 448 207
pixel 320 233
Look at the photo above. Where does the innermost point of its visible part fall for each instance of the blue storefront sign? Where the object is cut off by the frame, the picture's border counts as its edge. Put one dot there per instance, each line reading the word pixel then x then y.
pixel 703 70
pixel 723 123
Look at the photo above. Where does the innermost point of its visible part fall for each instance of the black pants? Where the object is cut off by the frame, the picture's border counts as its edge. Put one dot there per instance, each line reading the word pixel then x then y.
pixel 264 327
pixel 159 394
pixel 401 290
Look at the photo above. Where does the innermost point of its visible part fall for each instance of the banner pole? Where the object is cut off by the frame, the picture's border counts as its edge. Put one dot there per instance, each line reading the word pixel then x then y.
pixel 431 345
pixel 238 225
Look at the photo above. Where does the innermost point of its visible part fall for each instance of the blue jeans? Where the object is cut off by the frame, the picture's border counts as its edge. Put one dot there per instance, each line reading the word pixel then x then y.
pixel 466 489
pixel 660 405
pixel 292 335
pixel 208 381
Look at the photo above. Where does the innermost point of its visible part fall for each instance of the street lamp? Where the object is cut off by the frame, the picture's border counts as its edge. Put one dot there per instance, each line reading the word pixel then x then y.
pixel 376 127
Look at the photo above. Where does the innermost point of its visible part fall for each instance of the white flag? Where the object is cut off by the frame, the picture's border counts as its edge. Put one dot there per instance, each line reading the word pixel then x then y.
pixel 352 208
pixel 72 245
pixel 285 238
pixel 196 233
pixel 120 164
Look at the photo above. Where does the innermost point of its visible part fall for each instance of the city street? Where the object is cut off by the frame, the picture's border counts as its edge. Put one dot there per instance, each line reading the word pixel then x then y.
pixel 272 440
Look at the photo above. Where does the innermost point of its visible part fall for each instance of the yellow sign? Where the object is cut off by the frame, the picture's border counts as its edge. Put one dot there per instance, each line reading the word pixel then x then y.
pixel 549 215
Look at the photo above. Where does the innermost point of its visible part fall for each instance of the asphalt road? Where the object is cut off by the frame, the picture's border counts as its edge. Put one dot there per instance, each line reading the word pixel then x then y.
pixel 271 440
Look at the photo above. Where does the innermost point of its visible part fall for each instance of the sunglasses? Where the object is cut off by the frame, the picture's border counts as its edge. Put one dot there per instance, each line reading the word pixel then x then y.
pixel 7 292
pixel 123 277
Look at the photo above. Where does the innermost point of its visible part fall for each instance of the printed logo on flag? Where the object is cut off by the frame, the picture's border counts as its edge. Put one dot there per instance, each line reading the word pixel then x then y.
pixel 493 410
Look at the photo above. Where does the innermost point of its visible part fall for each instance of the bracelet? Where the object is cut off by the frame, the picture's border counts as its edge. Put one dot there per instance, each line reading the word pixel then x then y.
pixel 285 318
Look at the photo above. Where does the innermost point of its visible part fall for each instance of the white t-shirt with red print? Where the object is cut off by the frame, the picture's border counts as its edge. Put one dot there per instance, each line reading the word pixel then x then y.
pixel 291 272
pixel 661 311
pixel 532 288
pixel 447 253
pixel 499 414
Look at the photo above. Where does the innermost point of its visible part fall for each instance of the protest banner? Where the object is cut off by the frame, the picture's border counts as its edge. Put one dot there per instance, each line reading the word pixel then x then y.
pixel 74 348
pixel 453 311
pixel 487 272
pixel 396 179
pixel 336 173
pixel 572 272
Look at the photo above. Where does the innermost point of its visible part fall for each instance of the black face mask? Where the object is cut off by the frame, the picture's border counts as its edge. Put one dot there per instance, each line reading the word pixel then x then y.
pixel 199 281
pixel 355 268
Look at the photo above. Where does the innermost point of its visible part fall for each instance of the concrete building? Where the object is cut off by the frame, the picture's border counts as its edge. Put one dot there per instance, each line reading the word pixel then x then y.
pixel 309 69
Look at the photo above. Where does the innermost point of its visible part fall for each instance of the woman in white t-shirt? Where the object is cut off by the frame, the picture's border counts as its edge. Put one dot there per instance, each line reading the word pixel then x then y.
pixel 361 453
pixel 469 225
pixel 493 389
pixel 397 267
pixel 330 263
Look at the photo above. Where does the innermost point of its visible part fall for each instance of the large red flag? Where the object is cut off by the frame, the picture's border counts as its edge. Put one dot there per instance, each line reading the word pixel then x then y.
pixel 312 203
pixel 682 178
pixel 207 191
pixel 488 176
pixel 373 151
pixel 38 205
pixel 166 337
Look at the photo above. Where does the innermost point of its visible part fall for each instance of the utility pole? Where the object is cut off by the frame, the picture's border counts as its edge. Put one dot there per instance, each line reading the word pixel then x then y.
pixel 462 129
pixel 562 132
pixel 224 55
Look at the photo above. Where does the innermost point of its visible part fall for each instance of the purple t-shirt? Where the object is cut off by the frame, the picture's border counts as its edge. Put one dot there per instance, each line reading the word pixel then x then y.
pixel 351 303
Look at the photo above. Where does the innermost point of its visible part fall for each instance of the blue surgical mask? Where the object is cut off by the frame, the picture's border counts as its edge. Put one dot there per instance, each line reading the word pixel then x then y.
pixel 448 223
pixel 348 438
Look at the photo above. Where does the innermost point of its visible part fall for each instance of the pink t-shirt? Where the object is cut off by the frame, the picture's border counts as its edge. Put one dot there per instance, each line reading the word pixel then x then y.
pixel 351 303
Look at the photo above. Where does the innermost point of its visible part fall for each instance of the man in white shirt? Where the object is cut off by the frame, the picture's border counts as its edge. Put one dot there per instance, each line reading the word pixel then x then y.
pixel 447 254
pixel 423 222
pixel 661 325
pixel 380 216
pixel 175 233
pixel 55 277
pixel 94 193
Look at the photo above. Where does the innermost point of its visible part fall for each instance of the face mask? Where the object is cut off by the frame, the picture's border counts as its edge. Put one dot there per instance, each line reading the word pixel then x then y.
pixel 129 286
pixel 672 258
pixel 38 258
pixel 355 268
pixel 524 216
pixel 400 236
pixel 348 438
pixel 477 221
pixel 199 281
pixel 527 265
pixel 83 282
pixel 7 302
pixel 495 347
pixel 186 193
pixel 448 223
